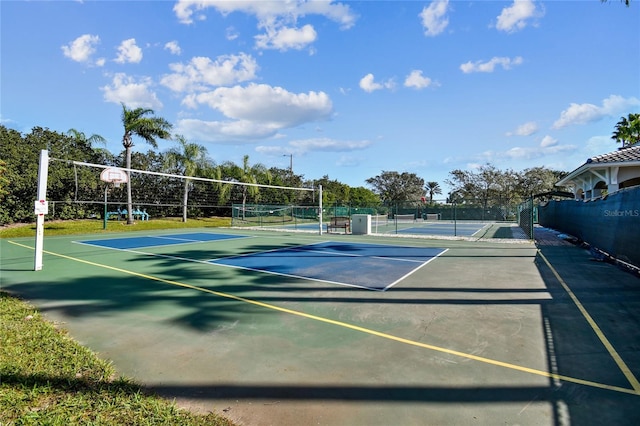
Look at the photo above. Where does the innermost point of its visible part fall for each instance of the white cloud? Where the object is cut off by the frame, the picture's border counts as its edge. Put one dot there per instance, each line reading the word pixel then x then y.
pixel 587 113
pixel 267 104
pixel 286 38
pixel 128 51
pixel 548 141
pixel 525 129
pixel 434 19
pixel 231 33
pixel 368 84
pixel 134 94
pixel 514 18
pixel 598 145
pixel 527 153
pixel 348 161
pixel 274 150
pixel 6 120
pixel 278 18
pixel 328 145
pixel 303 146
pixel 201 73
pixel 82 48
pixel 173 47
pixel 489 66
pixel 416 80
pixel 254 112
pixel 267 11
pixel 225 131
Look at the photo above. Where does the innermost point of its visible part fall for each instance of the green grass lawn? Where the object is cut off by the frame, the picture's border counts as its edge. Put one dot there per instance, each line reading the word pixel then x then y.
pixel 95 226
pixel 46 378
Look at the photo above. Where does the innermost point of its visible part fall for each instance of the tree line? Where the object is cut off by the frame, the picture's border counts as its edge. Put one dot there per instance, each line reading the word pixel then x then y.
pixel 485 187
pixel 70 187
pixel 78 191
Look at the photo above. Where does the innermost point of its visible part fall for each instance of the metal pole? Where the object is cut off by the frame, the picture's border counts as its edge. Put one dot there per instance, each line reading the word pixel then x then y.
pixel 104 217
pixel 531 236
pixel 43 173
pixel 396 217
pixel 455 221
pixel 320 207
pixel 290 162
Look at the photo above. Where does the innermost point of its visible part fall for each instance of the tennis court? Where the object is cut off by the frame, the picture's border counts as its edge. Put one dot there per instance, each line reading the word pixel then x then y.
pixel 293 328
pixel 408 227
pixel 436 228
pixel 368 266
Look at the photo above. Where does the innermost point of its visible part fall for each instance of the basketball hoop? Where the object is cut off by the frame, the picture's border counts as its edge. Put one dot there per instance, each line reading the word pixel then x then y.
pixel 114 175
pixel 111 175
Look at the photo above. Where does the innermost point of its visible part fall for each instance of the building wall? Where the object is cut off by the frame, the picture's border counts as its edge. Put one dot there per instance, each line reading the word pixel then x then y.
pixel 627 173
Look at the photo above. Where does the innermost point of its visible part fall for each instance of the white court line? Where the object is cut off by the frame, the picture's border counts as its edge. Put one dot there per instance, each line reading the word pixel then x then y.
pixel 267 251
pixel 169 237
pixel 159 237
pixel 282 274
pixel 411 272
pixel 214 261
pixel 397 259
pixel 298 248
pixel 88 243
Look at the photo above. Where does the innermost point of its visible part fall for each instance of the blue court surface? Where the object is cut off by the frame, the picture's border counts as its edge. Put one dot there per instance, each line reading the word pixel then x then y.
pixel 159 240
pixel 369 266
pixel 436 228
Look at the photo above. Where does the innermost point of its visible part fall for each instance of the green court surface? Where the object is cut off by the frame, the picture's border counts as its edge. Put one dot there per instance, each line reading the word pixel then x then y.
pixel 475 332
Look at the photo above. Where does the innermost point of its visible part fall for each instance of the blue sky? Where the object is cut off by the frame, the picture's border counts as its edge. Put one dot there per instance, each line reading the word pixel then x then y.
pixel 348 89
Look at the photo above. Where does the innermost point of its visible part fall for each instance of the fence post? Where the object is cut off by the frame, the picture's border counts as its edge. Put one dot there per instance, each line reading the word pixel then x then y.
pixel 531 235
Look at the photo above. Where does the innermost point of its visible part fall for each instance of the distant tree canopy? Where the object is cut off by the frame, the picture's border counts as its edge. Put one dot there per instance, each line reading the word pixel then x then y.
pixel 394 187
pixel 19 156
pixel 488 185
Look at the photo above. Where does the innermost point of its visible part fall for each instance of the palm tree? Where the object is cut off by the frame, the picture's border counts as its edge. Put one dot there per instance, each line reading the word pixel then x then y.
pixel 102 154
pixel 432 188
pixel 80 136
pixel 251 175
pixel 189 159
pixel 627 2
pixel 136 122
pixel 627 130
pixel 234 174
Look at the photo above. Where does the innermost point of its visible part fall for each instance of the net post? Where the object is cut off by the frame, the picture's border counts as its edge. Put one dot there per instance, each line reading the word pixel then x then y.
pixel 455 220
pixel 531 229
pixel 43 171
pixel 104 216
pixel 320 207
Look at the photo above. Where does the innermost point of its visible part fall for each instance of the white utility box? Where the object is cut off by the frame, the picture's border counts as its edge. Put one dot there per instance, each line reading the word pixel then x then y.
pixel 361 224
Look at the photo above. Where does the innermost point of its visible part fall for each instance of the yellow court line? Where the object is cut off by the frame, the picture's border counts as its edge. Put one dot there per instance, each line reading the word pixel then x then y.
pixel 616 357
pixel 355 327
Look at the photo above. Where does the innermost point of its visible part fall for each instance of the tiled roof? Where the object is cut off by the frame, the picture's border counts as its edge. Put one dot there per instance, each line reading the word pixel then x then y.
pixel 622 155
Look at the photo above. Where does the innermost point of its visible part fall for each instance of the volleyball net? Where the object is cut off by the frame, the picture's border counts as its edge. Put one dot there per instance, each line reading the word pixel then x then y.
pixel 266 215
pixel 87 190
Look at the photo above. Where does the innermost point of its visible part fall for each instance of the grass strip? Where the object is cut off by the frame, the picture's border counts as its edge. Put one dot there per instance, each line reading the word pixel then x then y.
pixel 46 378
pixel 93 226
